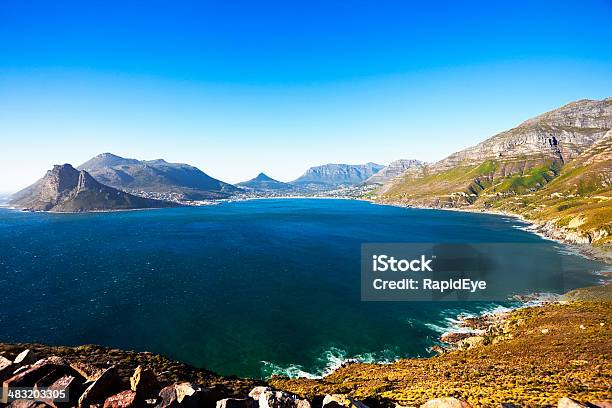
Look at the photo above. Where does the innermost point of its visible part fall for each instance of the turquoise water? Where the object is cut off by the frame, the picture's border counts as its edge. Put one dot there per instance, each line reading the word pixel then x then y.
pixel 247 288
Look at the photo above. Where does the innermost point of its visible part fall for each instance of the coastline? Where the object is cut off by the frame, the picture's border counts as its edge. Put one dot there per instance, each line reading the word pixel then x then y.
pixel 527 356
pixel 486 328
pixel 543 230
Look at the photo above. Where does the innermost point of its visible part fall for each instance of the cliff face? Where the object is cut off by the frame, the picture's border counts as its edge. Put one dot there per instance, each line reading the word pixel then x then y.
pixel 334 175
pixel 548 168
pixel 65 189
pixel 156 178
pixel 394 169
pixel 557 136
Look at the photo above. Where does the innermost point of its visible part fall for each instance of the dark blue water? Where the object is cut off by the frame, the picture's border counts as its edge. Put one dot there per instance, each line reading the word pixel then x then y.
pixel 245 288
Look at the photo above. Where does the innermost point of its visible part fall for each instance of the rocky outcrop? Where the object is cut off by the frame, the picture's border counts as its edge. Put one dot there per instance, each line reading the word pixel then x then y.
pixel 329 176
pixel 65 189
pixel 124 399
pixel 393 170
pixel 156 178
pixel 102 387
pixel 111 388
pixel 144 383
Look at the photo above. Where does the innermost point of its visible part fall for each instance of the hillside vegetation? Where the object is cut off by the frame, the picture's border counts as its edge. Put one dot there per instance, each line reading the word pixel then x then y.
pixel 536 356
pixel 555 170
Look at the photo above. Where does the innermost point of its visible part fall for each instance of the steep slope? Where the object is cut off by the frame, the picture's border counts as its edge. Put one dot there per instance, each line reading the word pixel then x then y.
pixel 65 189
pixel 577 204
pixel 264 183
pixel 517 161
pixel 562 148
pixel 394 169
pixel 335 175
pixel 156 178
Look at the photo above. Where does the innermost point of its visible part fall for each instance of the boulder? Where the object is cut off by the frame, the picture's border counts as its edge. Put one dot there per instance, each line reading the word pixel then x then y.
pixel 104 386
pixel 256 392
pixel 187 395
pixel 22 403
pixel 187 392
pixel 446 402
pixel 192 395
pixel 144 383
pixel 28 377
pixel 125 399
pixel 61 369
pixel 167 397
pixel 4 362
pixel 602 404
pixel 341 400
pixel 7 369
pixel 71 386
pixel 570 403
pixel 26 357
pixel 280 399
pixel 237 403
pixel 87 371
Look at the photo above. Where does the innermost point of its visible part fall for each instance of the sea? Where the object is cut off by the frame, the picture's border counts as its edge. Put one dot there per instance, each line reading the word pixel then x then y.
pixel 250 288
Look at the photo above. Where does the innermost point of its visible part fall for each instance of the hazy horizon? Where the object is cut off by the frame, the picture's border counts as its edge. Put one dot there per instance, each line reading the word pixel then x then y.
pixel 238 89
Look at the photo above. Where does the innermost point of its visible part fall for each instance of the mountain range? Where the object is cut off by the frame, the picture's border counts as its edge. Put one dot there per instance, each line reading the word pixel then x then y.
pixel 332 175
pixel 66 189
pixel 554 169
pixel 156 178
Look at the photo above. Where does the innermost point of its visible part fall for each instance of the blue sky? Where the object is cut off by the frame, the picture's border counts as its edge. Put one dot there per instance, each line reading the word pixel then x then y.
pixel 239 87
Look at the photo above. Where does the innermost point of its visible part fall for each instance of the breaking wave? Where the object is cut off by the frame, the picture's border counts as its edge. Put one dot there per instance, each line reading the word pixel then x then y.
pixel 330 360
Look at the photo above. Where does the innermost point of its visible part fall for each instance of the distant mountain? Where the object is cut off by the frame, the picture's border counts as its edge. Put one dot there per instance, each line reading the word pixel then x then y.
pixel 393 170
pixel 554 168
pixel 65 189
pixel 156 178
pixel 264 183
pixel 335 175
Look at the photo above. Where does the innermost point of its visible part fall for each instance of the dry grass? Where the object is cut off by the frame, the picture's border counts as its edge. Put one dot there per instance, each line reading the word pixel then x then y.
pixel 521 364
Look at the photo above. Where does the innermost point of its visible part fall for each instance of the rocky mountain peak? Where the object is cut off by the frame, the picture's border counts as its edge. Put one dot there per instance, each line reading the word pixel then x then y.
pixel 66 189
pixel 155 178
pixel 59 180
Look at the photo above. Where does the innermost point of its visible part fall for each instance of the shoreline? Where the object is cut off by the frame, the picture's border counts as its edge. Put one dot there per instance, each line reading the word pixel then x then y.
pixel 542 229
pixel 532 227
pixel 535 348
pixel 586 250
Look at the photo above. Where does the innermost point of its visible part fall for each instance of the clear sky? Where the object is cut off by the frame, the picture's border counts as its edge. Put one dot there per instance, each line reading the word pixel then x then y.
pixel 239 87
